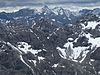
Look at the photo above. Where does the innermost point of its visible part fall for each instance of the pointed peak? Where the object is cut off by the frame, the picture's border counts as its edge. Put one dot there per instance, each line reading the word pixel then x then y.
pixel 45 6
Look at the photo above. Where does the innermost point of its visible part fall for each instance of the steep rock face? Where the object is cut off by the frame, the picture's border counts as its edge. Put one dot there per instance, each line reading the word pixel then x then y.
pixel 95 55
pixel 10 61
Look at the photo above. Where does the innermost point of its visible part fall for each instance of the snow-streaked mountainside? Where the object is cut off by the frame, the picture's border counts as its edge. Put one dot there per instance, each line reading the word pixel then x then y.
pixel 50 42
pixel 57 15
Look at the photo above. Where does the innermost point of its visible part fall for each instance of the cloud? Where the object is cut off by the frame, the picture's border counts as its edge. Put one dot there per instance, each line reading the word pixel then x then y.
pixel 12 3
pixel 73 5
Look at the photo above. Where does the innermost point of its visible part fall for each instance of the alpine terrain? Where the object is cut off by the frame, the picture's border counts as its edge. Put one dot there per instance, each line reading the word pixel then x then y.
pixel 50 42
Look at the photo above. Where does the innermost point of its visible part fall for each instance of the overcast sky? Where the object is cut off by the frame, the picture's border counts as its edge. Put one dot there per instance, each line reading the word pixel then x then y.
pixel 74 5
pixel 10 3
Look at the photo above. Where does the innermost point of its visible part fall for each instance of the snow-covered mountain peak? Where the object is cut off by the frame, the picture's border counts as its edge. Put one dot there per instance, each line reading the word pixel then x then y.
pixel 46 10
pixel 58 10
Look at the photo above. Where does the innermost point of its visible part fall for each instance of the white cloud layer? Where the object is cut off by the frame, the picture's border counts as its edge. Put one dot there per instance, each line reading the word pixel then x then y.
pixel 74 5
pixel 6 3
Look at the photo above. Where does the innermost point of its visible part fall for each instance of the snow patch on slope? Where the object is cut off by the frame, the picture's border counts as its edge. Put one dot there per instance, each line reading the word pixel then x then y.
pixel 93 41
pixel 62 52
pixel 77 51
pixel 91 24
pixel 13 47
pixel 25 47
pixel 70 52
pixel 55 65
pixel 33 61
pixel 26 64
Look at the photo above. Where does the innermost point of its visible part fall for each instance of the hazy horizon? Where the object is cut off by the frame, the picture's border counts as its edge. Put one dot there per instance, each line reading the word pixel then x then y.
pixel 73 5
pixel 14 3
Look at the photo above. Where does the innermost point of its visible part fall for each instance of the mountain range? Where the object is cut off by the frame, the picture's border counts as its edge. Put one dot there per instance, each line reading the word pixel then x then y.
pixel 50 42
